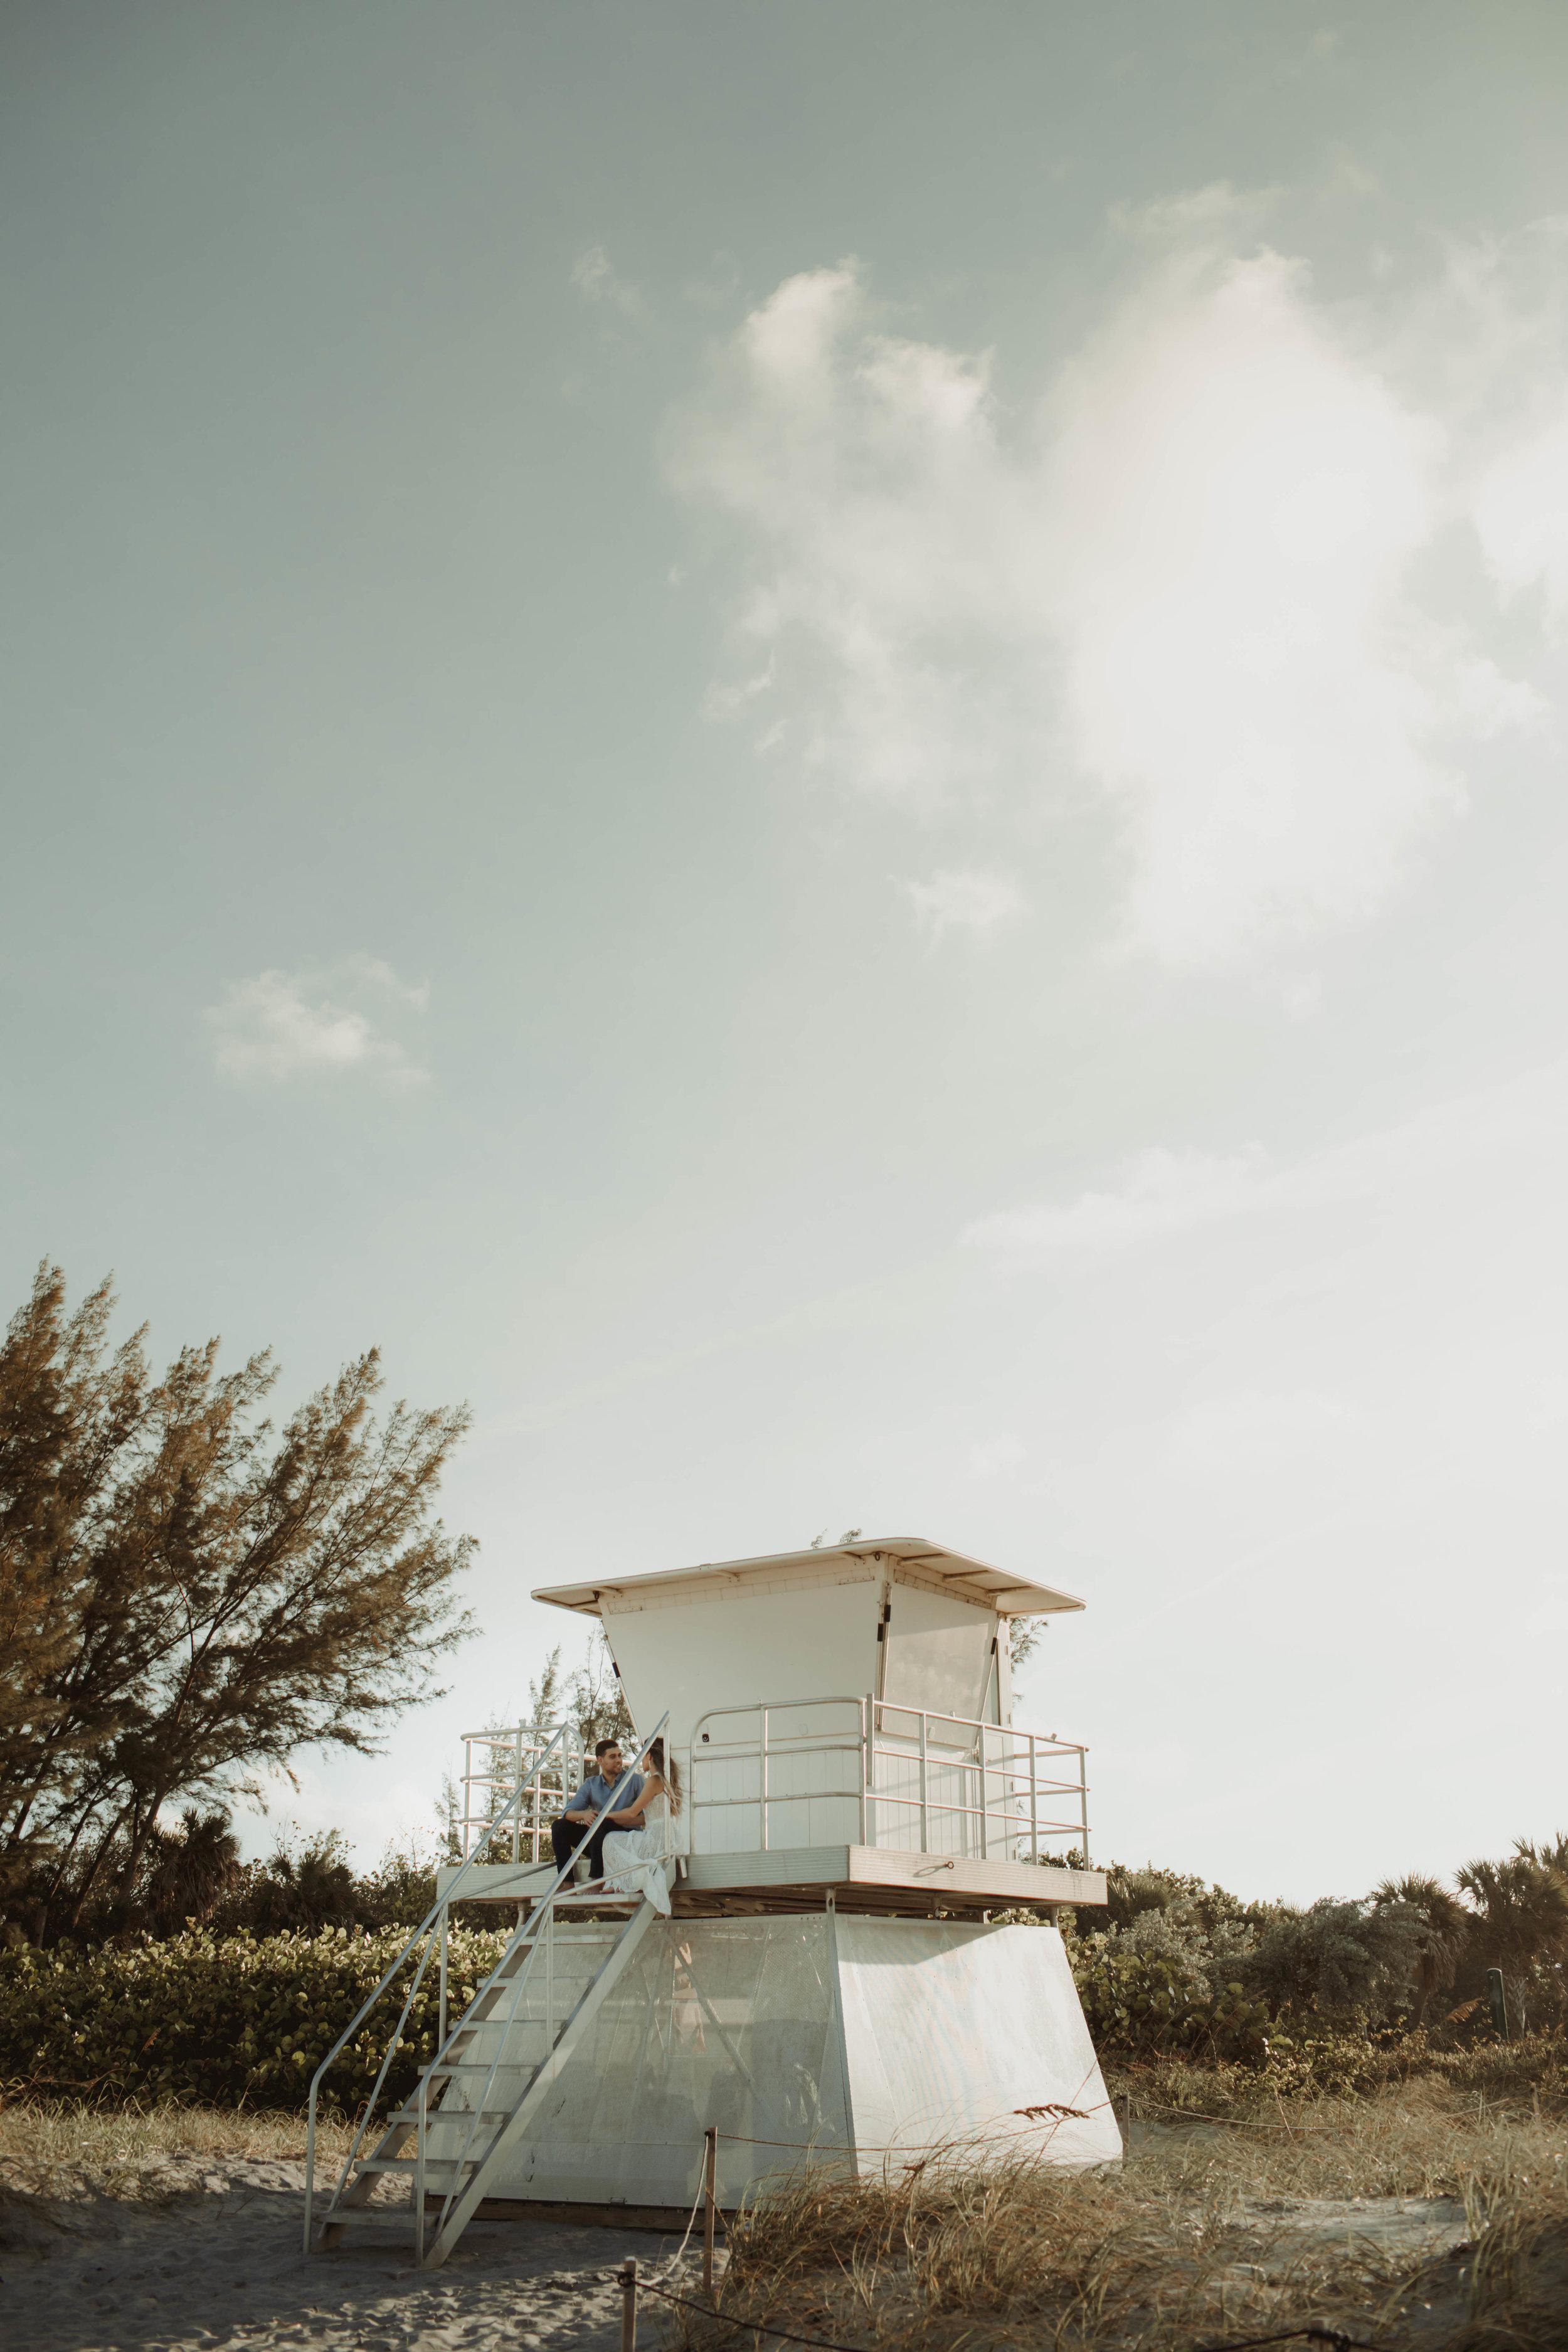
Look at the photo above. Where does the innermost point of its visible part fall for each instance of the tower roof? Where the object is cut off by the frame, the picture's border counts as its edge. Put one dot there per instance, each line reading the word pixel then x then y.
pixel 965 1578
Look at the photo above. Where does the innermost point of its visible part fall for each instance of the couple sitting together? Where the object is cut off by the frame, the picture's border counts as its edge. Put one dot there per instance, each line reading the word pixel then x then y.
pixel 630 1849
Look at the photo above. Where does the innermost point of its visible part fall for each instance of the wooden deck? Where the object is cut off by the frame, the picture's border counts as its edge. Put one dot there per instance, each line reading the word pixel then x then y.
pixel 859 1878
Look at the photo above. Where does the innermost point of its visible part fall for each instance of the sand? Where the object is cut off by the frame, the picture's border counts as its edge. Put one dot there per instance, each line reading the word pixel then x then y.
pixel 196 2254
pixel 202 2256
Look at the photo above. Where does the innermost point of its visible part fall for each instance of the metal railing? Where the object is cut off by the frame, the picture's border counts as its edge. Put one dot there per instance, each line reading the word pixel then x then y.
pixel 510 1761
pixel 517 1984
pixel 428 1939
pixel 795 1772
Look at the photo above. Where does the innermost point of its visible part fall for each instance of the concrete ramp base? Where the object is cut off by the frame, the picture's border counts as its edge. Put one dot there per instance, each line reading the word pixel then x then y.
pixel 859 2044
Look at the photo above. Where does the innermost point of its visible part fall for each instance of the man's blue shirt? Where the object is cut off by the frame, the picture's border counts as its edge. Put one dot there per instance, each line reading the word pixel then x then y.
pixel 598 1792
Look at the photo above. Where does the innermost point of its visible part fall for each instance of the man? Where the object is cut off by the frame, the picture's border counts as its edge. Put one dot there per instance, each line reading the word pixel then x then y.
pixel 586 1820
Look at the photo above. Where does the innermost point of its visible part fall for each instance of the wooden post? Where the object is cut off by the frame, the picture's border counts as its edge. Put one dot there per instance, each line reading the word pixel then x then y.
pixel 629 2303
pixel 711 2197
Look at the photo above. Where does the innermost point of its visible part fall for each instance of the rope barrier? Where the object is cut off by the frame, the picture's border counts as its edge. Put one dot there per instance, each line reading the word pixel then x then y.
pixel 1192 2116
pixel 756 2326
pixel 1312 2330
pixel 672 2267
pixel 1047 2116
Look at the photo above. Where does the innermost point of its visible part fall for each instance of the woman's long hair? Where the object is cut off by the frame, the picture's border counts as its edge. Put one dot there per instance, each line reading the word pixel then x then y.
pixel 669 1773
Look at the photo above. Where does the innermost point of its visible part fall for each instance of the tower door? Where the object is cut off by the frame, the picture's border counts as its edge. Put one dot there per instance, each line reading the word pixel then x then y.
pixel 939 1654
pixel 939 1667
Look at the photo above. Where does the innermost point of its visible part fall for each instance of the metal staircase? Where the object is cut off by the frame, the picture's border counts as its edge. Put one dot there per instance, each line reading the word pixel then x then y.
pixel 476 2097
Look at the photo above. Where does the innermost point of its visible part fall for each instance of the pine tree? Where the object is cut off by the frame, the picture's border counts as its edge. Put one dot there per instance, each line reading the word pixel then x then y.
pixel 186 1597
pixel 596 1700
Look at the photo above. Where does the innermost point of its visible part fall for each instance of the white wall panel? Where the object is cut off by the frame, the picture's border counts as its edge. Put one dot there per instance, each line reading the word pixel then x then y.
pixel 802 2036
pixel 950 2029
pixel 818 1641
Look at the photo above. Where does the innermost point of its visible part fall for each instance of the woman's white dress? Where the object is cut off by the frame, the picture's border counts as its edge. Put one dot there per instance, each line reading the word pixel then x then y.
pixel 642 1860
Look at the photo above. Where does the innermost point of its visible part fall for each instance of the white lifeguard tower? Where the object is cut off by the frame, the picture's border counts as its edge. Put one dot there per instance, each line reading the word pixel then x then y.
pixel 831 1986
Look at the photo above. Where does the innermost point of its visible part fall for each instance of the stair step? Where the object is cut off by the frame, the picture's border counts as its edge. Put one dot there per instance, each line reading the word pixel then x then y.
pixel 499 1994
pixel 565 1987
pixel 477 2066
pixel 433 2164
pixel 373 2217
pixel 466 2034
pixel 554 2007
pixel 577 1970
pixel 452 2115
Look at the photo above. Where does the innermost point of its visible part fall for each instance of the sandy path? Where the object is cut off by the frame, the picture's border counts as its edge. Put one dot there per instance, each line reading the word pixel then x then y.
pixel 206 2257
pixel 196 2255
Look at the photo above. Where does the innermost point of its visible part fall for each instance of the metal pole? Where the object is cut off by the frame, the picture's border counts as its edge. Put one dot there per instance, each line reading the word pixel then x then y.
pixel 549 1979
pixel 710 2193
pixel 1083 1804
pixel 1034 1802
pixel 629 2303
pixel 441 2019
pixel 309 2162
pixel 1497 2002
pixel 925 1847
pixel 419 2174
pixel 865 1763
pixel 764 1769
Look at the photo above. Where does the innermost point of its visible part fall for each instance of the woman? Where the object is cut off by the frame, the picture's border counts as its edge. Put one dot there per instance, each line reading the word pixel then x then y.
pixel 639 1847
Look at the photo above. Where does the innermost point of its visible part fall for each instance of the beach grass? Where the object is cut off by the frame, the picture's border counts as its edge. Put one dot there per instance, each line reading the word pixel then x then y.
pixel 68 2146
pixel 1243 2213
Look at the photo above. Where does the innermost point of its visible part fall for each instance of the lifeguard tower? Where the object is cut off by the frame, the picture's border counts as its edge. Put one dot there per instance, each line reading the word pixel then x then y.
pixel 832 1987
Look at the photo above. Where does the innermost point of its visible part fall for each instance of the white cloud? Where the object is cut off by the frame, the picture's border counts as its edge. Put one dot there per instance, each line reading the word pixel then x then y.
pixel 1521 518
pixel 596 281
pixel 729 701
pixel 1161 1194
pixel 1235 498
pixel 867 472
pixel 1547 1619
pixel 280 1026
pixel 1157 1192
pixel 1223 1437
pixel 990 1457
pixel 957 900
pixel 358 1797
pixel 1550 1408
pixel 1188 574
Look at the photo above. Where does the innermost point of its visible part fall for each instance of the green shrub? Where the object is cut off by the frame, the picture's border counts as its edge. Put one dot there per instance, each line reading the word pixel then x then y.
pixel 1143 2000
pixel 229 2021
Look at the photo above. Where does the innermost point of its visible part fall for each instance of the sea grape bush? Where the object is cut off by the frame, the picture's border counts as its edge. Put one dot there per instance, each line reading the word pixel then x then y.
pixel 227 2020
pixel 1170 1969
pixel 1138 1999
pixel 1172 1965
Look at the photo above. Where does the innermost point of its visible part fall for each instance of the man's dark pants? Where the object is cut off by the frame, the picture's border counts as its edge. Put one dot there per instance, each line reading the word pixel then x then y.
pixel 568 1838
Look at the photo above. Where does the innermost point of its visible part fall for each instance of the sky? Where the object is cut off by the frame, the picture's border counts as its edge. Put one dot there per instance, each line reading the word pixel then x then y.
pixel 822 749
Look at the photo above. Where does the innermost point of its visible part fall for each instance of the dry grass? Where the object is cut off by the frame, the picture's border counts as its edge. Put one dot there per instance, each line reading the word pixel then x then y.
pixel 134 2151
pixel 1213 2229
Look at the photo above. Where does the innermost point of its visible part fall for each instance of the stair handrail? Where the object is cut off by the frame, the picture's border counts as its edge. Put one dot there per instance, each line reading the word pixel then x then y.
pixel 543 1908
pixel 425 1930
